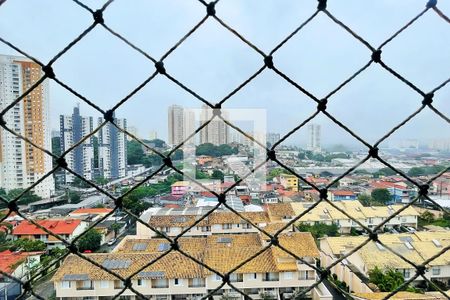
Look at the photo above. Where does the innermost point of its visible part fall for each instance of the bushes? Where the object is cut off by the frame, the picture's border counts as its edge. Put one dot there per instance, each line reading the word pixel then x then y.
pixel 319 230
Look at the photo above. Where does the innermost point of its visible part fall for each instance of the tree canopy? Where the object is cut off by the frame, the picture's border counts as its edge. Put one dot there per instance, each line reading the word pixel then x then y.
pixel 387 281
pixel 319 230
pixel 90 241
pixel 215 151
pixel 381 196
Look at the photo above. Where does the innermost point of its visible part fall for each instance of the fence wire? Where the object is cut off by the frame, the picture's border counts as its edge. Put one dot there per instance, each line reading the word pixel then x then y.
pixel 424 101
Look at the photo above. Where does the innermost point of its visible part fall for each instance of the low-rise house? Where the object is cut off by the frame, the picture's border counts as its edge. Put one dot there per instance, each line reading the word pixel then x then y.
pixel 289 182
pixel 339 195
pixel 65 228
pixel 180 188
pixel 400 192
pixel 369 216
pixel 175 276
pixel 18 265
pixel 416 247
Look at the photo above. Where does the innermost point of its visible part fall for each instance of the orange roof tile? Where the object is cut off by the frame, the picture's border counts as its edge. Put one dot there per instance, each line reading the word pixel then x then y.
pixel 92 211
pixel 55 226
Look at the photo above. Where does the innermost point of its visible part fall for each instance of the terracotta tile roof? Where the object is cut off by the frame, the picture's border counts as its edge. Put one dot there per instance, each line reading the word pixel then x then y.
pixel 91 211
pixel 221 252
pixel 230 217
pixel 342 193
pixel 56 226
pixel 175 221
pixel 277 211
pixel 187 244
pixel 9 260
pixel 174 265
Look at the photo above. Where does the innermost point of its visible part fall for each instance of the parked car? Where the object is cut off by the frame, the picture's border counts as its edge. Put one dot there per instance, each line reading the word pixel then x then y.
pixel 112 242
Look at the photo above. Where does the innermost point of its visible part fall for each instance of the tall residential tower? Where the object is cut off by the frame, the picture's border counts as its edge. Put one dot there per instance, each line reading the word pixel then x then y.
pixel 81 159
pixel 21 164
pixel 112 150
pixel 181 124
pixel 313 143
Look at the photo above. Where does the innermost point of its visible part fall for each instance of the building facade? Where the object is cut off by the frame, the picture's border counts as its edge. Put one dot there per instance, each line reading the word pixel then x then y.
pixel 274 273
pixel 181 124
pixel 112 150
pixel 81 159
pixel 313 143
pixel 21 164
pixel 216 132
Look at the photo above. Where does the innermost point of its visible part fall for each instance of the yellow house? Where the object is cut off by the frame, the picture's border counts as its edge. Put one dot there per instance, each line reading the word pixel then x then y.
pixel 290 182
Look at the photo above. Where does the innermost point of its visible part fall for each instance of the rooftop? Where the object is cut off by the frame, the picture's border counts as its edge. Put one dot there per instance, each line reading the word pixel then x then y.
pixel 66 226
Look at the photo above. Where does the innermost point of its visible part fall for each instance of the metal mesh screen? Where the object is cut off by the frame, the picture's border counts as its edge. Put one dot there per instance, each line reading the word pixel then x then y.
pixel 424 101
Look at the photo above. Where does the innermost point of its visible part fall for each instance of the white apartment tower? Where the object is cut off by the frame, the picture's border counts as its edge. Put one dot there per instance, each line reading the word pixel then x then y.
pixel 313 138
pixel 112 150
pixel 216 132
pixel 81 159
pixel 181 124
pixel 21 164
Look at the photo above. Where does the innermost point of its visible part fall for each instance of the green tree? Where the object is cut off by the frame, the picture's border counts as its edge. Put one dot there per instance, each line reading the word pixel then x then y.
pixel 319 230
pixel 427 216
pixel 116 227
pixel 136 206
pixel 417 171
pixel 365 199
pixel 135 153
pixel 384 172
pixel 73 197
pixel 26 198
pixel 77 182
pixel 90 241
pixel 101 180
pixel 387 281
pixel 217 174
pixel 381 196
pixel 28 245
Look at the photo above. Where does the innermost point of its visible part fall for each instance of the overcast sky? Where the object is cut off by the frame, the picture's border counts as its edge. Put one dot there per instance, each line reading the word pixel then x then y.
pixel 213 62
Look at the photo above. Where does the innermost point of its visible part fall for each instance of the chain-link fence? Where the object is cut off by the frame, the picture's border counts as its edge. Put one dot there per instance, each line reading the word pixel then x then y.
pixel 424 101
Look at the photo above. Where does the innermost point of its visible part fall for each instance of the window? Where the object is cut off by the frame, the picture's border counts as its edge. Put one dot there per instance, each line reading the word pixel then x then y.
pixel 226 226
pixel 104 284
pixel 288 275
pixel 176 281
pixel 436 271
pixel 118 284
pixel 252 276
pixel 406 273
pixel 65 284
pixel 236 277
pixel 218 278
pixel 140 282
pixel 246 226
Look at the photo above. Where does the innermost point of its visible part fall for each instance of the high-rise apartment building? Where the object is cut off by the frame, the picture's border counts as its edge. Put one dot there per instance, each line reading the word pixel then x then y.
pixel 216 132
pixel 112 150
pixel 81 159
pixel 21 164
pixel 272 138
pixel 313 143
pixel 181 124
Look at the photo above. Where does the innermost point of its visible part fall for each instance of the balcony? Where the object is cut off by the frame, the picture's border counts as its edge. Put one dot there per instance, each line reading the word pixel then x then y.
pixel 196 283
pixel 271 277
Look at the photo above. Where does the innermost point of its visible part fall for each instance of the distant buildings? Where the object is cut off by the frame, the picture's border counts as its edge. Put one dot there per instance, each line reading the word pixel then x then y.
pixel 134 131
pixel 152 135
pixel 81 159
pixel 22 164
pixel 112 150
pixel 272 138
pixel 181 123
pixel 313 143
pixel 216 132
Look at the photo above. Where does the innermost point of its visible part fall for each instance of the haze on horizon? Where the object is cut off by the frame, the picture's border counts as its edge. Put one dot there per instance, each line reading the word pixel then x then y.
pixel 213 62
